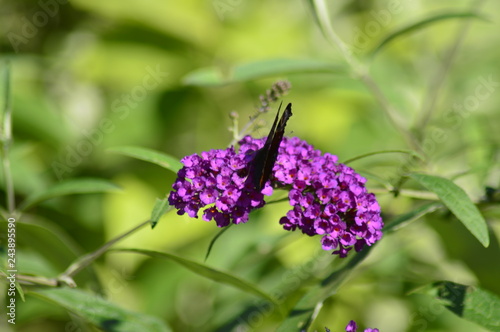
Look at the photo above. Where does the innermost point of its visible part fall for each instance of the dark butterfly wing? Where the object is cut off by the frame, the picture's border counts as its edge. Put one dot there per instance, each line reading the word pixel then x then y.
pixel 265 158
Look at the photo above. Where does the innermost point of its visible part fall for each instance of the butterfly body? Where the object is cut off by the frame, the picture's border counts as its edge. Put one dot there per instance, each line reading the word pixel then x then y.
pixel 265 158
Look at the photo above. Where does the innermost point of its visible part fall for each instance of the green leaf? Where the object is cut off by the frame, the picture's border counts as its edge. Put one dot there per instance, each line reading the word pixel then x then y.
pixel 212 242
pixel 207 272
pixel 260 69
pixel 20 291
pixel 161 207
pixel 149 155
pixel 301 315
pixel 420 24
pixel 70 187
pixel 405 219
pixel 458 202
pixel 470 303
pixel 34 112
pixel 103 314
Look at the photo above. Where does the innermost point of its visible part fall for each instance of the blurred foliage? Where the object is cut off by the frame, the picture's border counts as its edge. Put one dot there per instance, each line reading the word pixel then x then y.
pixel 93 78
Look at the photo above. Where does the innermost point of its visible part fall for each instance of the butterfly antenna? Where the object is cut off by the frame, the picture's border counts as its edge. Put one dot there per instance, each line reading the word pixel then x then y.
pixel 279 107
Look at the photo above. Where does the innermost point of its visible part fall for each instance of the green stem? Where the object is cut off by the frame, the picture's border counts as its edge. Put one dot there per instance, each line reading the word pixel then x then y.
pixel 84 261
pixel 326 26
pixel 361 72
pixel 435 87
pixel 438 80
pixel 6 142
pixel 390 111
pixel 418 194
pixel 235 130
pixel 36 280
pixel 247 126
pixel 410 152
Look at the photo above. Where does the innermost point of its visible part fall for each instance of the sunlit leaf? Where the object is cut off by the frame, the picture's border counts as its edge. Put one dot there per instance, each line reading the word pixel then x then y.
pixel 149 155
pixel 470 303
pixel 260 69
pixel 160 208
pixel 207 272
pixel 103 314
pixel 419 25
pixel 70 187
pixel 458 202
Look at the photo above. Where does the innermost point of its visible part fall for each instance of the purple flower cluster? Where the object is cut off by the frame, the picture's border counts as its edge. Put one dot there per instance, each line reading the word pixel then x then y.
pixel 327 198
pixel 353 327
pixel 217 180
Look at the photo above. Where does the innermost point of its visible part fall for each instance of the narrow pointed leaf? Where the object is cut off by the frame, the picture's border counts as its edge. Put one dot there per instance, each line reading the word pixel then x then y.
pixel 105 315
pixel 419 25
pixel 207 272
pixel 413 215
pixel 210 246
pixel 70 187
pixel 458 202
pixel 161 207
pixel 260 69
pixel 410 152
pixel 470 303
pixel 149 155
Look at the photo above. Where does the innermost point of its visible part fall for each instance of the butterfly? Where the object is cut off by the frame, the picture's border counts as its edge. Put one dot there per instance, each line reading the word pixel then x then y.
pixel 265 158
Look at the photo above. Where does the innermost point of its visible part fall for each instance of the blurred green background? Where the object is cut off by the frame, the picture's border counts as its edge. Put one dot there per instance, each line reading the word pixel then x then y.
pixel 91 75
